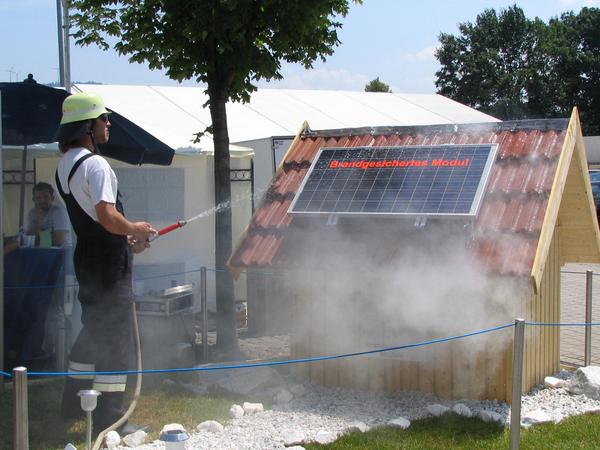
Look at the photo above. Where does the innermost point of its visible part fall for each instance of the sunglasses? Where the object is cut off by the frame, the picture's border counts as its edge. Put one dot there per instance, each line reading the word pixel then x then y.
pixel 103 118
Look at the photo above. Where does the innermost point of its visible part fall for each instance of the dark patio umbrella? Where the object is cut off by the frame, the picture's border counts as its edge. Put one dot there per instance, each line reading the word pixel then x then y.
pixel 132 144
pixel 31 114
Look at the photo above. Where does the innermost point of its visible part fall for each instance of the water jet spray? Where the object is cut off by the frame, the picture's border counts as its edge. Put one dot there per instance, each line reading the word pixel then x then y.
pixel 182 223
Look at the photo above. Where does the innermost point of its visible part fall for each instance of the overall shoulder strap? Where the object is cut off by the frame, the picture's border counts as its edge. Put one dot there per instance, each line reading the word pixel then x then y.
pixel 71 173
pixel 77 164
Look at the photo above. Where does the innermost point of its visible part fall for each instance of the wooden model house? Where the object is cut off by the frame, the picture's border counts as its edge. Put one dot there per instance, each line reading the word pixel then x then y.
pixel 535 213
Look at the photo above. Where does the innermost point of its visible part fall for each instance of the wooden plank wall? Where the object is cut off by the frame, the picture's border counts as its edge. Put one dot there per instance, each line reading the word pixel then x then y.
pixel 542 343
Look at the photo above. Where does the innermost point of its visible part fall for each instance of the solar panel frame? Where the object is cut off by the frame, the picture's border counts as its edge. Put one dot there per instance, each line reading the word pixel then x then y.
pixel 368 186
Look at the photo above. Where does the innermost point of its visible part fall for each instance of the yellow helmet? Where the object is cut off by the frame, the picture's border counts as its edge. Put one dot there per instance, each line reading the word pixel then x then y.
pixel 82 106
pixel 77 110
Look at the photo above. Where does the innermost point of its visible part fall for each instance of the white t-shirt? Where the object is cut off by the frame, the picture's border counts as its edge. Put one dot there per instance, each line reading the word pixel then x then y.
pixel 56 219
pixel 93 182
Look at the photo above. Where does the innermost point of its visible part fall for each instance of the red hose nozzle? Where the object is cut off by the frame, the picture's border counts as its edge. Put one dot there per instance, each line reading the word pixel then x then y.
pixel 168 229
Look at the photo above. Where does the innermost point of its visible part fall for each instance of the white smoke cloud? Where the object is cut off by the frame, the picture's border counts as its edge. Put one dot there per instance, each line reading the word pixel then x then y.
pixel 385 283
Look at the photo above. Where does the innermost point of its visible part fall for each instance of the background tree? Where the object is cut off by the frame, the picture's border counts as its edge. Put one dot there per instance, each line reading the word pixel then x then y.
pixel 578 63
pixel 377 86
pixel 228 45
pixel 513 67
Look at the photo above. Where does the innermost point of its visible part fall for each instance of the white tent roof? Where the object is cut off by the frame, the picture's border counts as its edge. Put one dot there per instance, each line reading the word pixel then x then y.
pixel 161 117
pixel 174 113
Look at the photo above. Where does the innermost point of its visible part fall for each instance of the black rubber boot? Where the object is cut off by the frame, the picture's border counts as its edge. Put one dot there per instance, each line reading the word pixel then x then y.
pixel 70 407
pixel 109 410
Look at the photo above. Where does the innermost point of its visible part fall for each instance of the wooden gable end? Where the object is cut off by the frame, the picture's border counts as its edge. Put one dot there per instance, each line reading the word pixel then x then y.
pixel 571 210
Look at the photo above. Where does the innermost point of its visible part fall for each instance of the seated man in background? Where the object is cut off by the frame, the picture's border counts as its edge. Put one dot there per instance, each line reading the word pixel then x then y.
pixel 48 216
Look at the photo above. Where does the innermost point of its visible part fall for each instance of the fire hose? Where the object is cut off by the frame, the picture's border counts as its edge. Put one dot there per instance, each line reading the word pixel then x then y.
pixel 138 385
pixel 138 354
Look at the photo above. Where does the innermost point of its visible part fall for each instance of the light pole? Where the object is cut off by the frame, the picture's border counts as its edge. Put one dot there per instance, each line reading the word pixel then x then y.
pixel 10 74
pixel 64 58
pixel 61 54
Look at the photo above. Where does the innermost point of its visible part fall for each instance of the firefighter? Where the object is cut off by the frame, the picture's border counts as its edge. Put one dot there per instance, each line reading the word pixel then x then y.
pixel 106 241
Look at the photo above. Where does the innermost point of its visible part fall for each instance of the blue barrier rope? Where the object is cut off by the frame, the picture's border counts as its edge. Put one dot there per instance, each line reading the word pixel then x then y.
pixel 208 269
pixel 274 363
pixel 5 374
pixel 54 286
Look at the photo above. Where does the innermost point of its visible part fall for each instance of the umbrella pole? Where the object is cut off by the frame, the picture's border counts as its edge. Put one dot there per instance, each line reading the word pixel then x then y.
pixel 23 180
pixel 1 245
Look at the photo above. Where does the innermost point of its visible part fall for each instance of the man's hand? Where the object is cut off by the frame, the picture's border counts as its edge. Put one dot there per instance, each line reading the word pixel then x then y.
pixel 142 231
pixel 138 246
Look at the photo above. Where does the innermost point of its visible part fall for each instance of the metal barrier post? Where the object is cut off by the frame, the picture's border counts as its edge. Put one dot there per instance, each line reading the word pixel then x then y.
pixel 204 306
pixel 587 359
pixel 21 425
pixel 517 384
pixel 61 343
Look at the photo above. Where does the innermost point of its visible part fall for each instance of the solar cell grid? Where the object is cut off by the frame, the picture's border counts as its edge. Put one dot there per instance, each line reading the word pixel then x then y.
pixel 409 180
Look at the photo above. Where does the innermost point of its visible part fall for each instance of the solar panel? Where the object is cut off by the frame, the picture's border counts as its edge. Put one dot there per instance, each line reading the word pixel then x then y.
pixel 437 180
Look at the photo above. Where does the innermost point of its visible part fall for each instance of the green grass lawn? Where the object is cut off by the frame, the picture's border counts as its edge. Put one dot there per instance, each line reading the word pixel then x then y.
pixel 160 404
pixel 455 432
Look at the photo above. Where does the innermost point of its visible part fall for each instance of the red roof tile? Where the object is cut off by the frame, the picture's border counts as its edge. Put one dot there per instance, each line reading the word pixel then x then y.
pixel 287 183
pixel 511 215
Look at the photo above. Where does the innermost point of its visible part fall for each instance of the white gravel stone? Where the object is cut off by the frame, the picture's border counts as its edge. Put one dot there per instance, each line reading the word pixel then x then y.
pixel 293 438
pixel 437 410
pixel 112 439
pixel 236 412
pixel 324 437
pixel 283 396
pixel 357 426
pixel 334 409
pixel 535 418
pixel 462 410
pixel 135 439
pixel 70 446
pixel 490 416
pixel 586 381
pixel 296 447
pixel 553 382
pixel 400 422
pixel 210 426
pixel 252 408
pixel 591 410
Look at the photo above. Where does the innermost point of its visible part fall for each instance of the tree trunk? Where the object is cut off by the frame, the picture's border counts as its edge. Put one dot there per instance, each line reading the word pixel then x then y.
pixel 226 326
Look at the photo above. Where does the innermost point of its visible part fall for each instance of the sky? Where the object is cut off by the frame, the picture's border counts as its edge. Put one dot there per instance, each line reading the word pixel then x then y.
pixel 394 40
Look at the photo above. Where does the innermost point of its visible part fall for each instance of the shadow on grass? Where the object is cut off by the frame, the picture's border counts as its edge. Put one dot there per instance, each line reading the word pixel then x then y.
pixel 159 404
pixel 47 429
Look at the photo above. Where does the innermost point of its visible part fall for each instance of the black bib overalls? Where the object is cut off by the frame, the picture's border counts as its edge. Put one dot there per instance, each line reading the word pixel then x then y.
pixel 103 263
